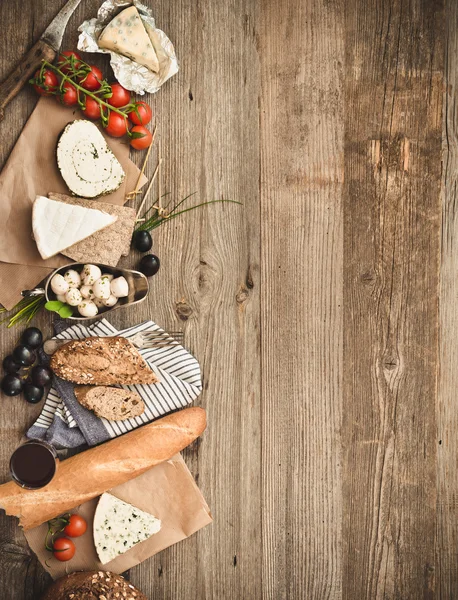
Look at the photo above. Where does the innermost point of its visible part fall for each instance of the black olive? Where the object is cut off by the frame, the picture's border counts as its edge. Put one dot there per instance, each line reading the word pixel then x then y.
pixel 23 355
pixel 142 241
pixel 41 375
pixel 33 393
pixel 10 365
pixel 149 265
pixel 11 385
pixel 32 337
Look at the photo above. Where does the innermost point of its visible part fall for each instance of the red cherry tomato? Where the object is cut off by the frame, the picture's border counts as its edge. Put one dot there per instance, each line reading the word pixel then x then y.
pixel 93 80
pixel 76 526
pixel 63 63
pixel 50 83
pixel 92 110
pixel 69 96
pixel 117 125
pixel 143 114
pixel 142 137
pixel 120 96
pixel 63 549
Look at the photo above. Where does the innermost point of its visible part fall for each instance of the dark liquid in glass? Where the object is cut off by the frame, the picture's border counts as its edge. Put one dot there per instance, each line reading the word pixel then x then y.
pixel 33 465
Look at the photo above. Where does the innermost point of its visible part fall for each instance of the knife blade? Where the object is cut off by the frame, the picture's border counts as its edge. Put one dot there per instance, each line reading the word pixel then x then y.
pixel 45 49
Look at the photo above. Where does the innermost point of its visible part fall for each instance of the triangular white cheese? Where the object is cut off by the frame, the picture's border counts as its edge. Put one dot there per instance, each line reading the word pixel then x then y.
pixel 118 526
pixel 127 35
pixel 57 225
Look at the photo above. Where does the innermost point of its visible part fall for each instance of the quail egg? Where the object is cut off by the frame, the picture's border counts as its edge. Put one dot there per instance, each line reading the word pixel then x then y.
pixel 73 278
pixel 87 291
pixel 73 297
pixel 59 285
pixel 61 297
pixel 102 288
pixel 87 308
pixel 110 301
pixel 119 287
pixel 99 302
pixel 108 276
pixel 90 274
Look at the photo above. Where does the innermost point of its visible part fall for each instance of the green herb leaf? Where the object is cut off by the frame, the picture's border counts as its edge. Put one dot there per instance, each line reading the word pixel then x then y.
pixel 54 305
pixel 66 311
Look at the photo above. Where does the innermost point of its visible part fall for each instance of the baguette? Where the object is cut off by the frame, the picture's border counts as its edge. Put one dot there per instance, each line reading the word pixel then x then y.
pixel 101 361
pixel 92 472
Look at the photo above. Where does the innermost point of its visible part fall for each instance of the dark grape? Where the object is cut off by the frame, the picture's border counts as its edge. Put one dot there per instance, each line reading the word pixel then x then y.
pixel 149 265
pixel 33 393
pixel 11 385
pixel 10 365
pixel 142 241
pixel 41 376
pixel 23 355
pixel 32 337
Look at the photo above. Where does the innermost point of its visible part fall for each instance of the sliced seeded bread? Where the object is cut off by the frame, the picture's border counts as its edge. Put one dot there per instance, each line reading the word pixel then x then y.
pixel 111 403
pixel 101 361
pixel 92 585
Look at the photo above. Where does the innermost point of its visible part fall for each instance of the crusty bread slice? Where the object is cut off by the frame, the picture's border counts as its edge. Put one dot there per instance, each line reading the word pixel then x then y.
pixel 114 404
pixel 101 361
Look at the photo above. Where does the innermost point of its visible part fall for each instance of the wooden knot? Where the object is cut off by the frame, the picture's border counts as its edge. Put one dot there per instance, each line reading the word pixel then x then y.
pixel 183 310
pixel 242 295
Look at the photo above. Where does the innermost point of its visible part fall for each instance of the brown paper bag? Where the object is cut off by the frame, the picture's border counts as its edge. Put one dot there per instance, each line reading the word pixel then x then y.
pixel 31 169
pixel 168 491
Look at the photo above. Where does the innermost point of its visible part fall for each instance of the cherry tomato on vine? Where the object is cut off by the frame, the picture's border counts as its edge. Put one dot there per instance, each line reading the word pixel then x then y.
pixel 142 137
pixel 63 549
pixel 120 96
pixel 50 82
pixel 93 80
pixel 76 526
pixel 143 114
pixel 92 110
pixel 63 64
pixel 69 97
pixel 117 125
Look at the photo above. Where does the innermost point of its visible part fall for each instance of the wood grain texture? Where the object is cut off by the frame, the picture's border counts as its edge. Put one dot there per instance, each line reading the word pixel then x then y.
pixel 301 297
pixel 393 126
pixel 447 416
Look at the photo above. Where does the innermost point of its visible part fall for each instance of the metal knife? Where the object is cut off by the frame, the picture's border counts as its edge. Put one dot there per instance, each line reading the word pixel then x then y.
pixel 45 49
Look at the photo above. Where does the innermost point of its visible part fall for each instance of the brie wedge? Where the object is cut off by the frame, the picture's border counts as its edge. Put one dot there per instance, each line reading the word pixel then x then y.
pixel 87 164
pixel 118 526
pixel 127 35
pixel 57 225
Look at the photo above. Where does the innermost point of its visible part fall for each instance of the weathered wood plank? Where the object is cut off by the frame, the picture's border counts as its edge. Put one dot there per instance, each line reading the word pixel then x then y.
pixel 393 98
pixel 447 425
pixel 301 50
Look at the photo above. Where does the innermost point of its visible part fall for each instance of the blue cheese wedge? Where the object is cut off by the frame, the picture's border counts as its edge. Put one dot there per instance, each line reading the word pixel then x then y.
pixel 118 526
pixel 57 225
pixel 127 35
pixel 88 166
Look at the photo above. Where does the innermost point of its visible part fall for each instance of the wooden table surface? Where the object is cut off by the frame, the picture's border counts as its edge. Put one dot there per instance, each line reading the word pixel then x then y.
pixel 323 311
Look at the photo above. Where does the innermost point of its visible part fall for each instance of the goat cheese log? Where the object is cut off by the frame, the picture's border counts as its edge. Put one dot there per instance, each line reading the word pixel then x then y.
pixel 87 165
pixel 92 472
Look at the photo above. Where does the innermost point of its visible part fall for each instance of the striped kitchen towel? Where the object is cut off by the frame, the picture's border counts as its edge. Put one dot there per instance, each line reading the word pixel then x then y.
pixel 64 423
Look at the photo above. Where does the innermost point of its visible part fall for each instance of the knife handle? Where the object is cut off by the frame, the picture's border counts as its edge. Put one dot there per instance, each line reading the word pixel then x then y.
pixel 24 71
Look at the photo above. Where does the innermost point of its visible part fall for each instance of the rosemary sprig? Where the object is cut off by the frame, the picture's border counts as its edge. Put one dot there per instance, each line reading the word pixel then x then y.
pixel 156 219
pixel 24 311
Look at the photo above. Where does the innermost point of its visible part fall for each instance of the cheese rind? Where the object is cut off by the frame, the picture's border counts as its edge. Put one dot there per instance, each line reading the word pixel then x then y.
pixel 118 526
pixel 57 225
pixel 127 35
pixel 88 166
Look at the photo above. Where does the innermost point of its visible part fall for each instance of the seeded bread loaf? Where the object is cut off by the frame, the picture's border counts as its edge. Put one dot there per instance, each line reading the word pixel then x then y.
pixel 93 585
pixel 101 361
pixel 115 404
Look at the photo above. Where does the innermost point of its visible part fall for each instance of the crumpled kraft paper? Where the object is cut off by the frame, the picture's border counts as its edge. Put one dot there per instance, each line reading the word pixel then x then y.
pixel 168 491
pixel 31 169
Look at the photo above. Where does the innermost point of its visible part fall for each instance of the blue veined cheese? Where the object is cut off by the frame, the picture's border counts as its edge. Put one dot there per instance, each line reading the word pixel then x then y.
pixel 118 526
pixel 127 35
pixel 88 166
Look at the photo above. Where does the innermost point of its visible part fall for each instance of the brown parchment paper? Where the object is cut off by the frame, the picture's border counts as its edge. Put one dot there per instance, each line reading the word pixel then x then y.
pixel 31 169
pixel 168 491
